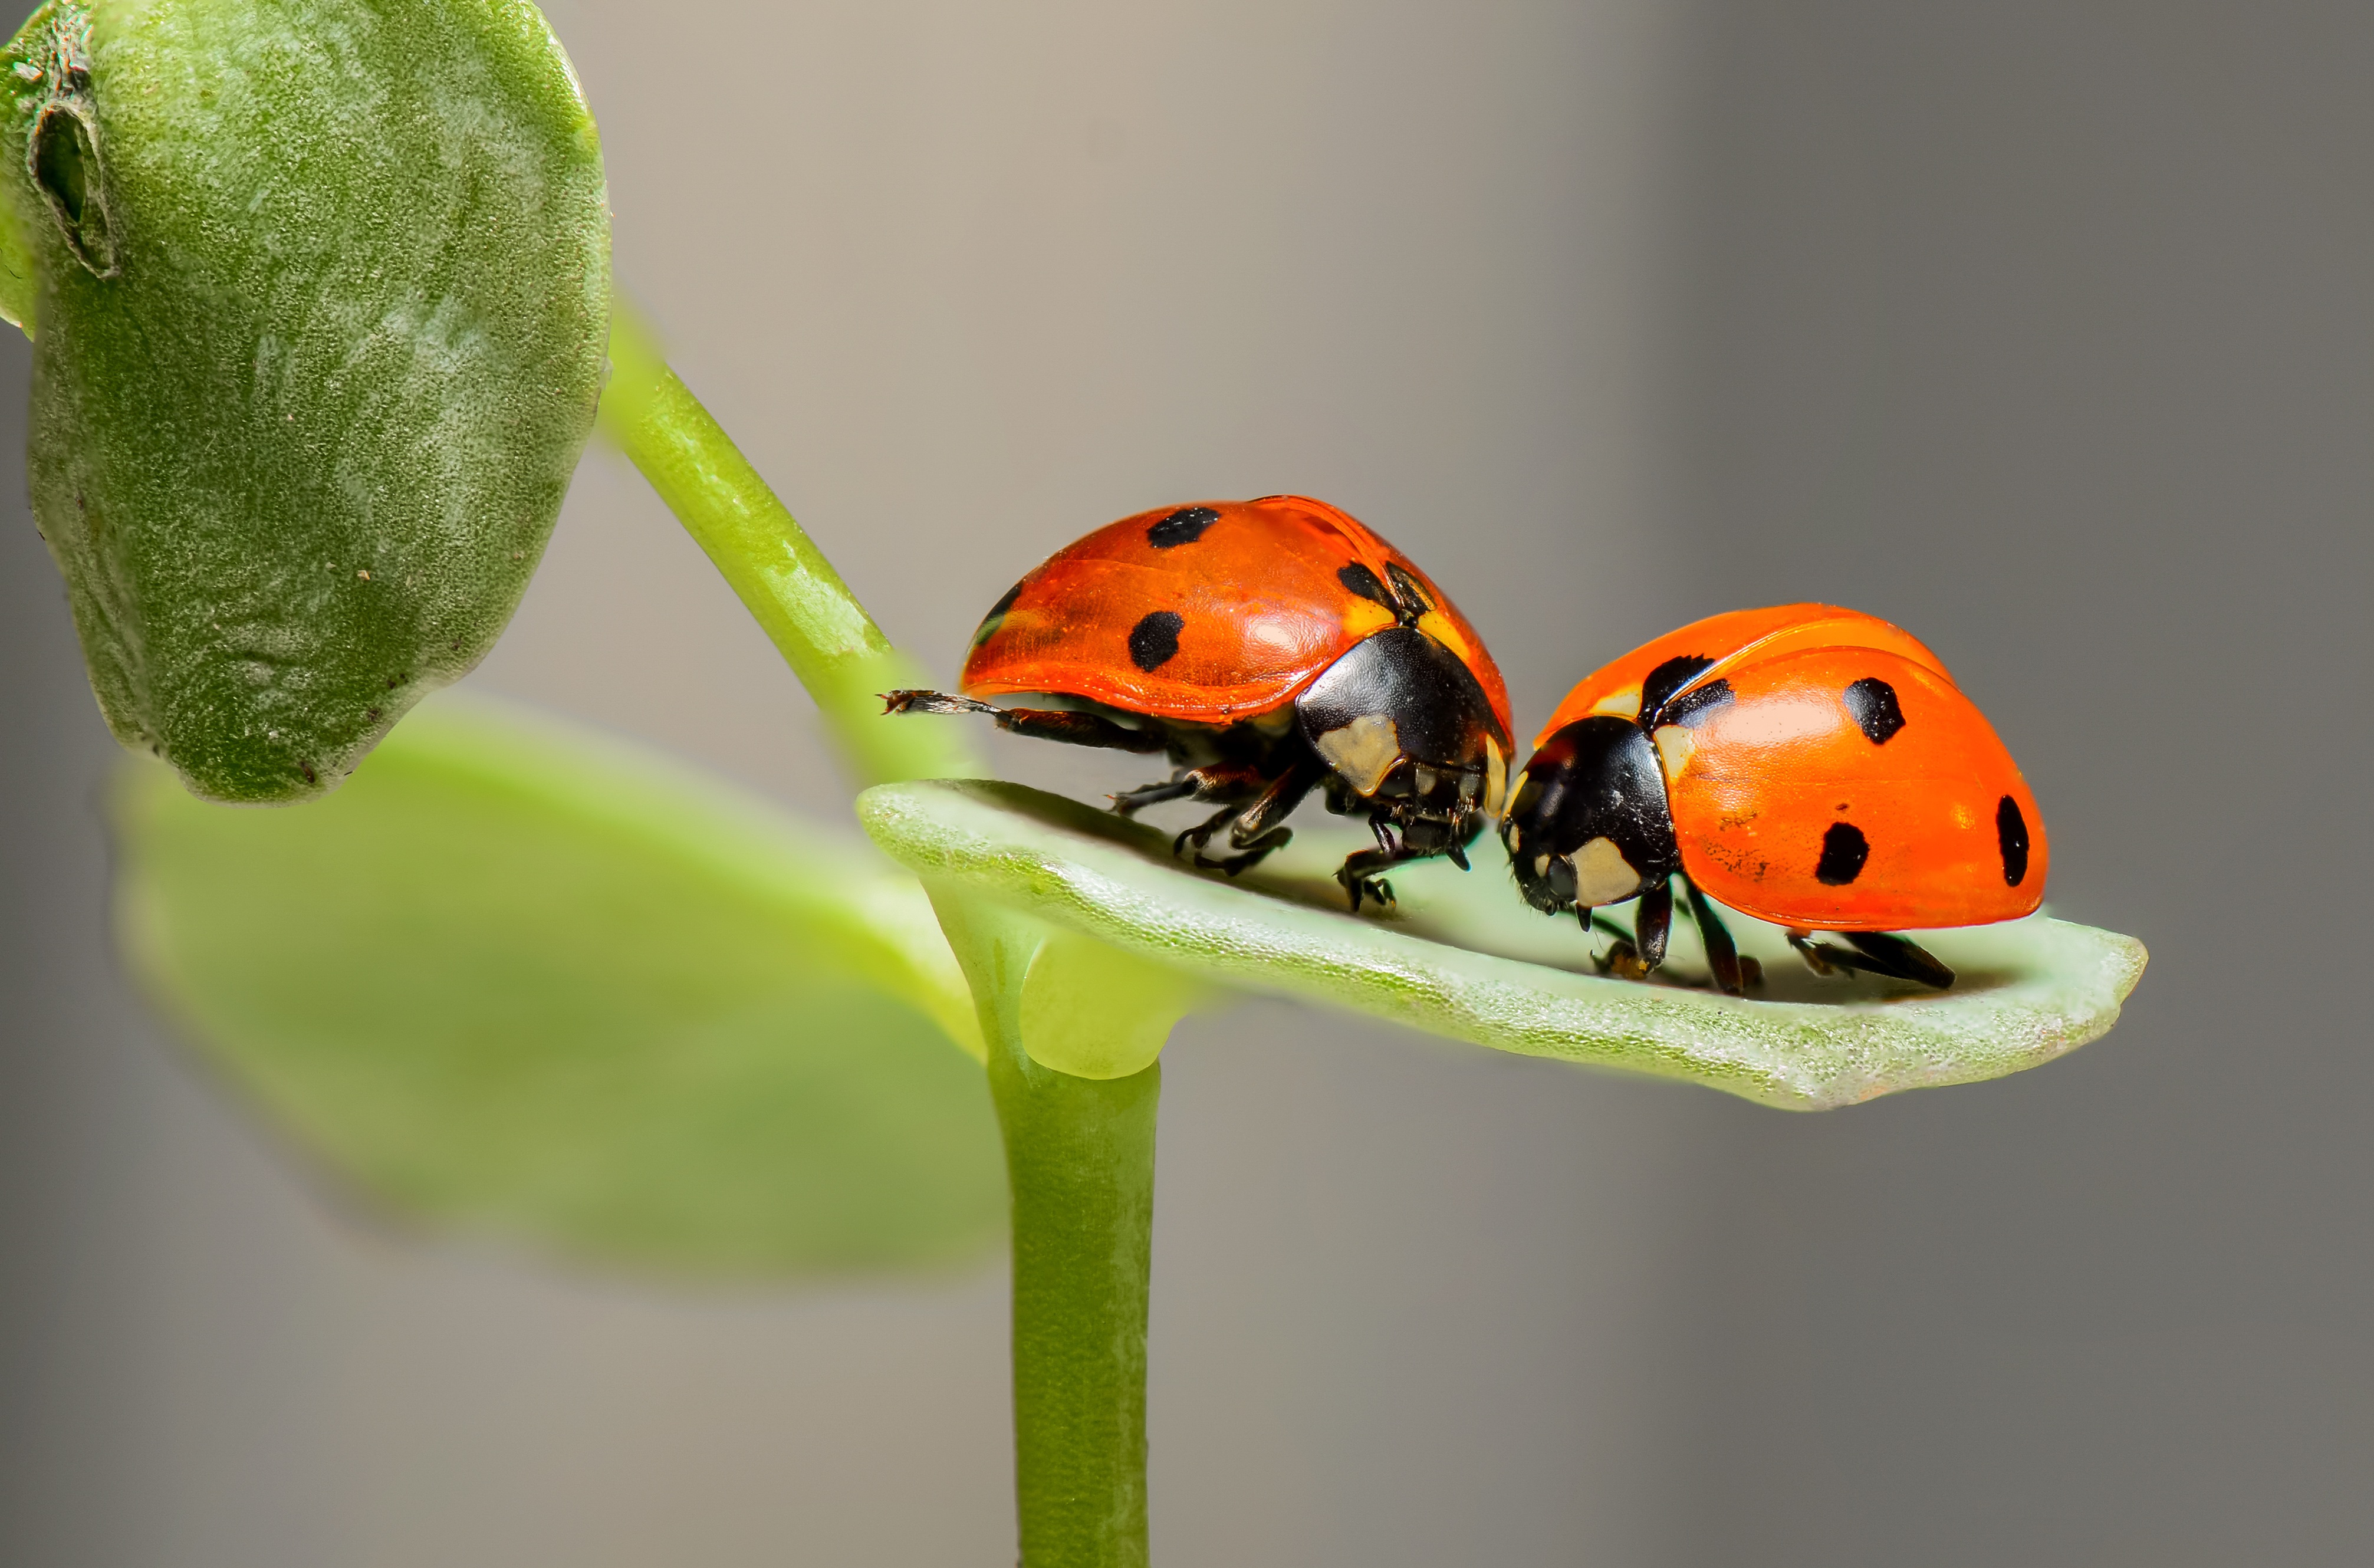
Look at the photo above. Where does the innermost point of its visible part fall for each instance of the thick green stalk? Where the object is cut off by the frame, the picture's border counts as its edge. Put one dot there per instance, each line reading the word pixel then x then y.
pixel 1079 1164
pixel 834 647
pixel 1079 1151
pixel 1079 1161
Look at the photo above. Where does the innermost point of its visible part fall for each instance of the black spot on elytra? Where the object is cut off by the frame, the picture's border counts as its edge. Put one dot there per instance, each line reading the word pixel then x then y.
pixel 1183 526
pixel 1694 705
pixel 1844 849
pixel 989 622
pixel 1658 688
pixel 2010 836
pixel 1363 581
pixel 1873 704
pixel 1154 641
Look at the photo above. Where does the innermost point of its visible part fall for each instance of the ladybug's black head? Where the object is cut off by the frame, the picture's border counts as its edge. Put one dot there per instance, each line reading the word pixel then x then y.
pixel 1589 824
pixel 1404 725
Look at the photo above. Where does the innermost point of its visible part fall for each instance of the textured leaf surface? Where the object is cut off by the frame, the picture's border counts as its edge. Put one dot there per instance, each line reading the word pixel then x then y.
pixel 1463 957
pixel 517 981
pixel 323 291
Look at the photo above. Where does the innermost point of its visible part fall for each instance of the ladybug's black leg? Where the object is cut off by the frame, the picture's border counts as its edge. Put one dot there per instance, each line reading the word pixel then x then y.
pixel 1875 952
pixel 1885 952
pixel 1634 956
pixel 1357 874
pixel 1258 829
pixel 1722 955
pixel 1820 957
pixel 1225 781
pixel 1653 921
pixel 1037 724
pixel 1129 802
pixel 1201 833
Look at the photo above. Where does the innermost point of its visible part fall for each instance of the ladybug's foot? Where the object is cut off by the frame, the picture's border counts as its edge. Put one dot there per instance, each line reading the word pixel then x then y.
pixel 1361 882
pixel 1129 802
pixel 1255 831
pixel 1371 887
pixel 1724 962
pixel 931 702
pixel 1635 955
pixel 1817 955
pixel 1228 781
pixel 1875 952
pixel 1253 853
pixel 1622 960
pixel 1036 724
pixel 1201 835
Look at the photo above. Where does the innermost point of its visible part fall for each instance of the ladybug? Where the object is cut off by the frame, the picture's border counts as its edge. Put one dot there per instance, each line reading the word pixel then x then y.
pixel 1268 647
pixel 1810 766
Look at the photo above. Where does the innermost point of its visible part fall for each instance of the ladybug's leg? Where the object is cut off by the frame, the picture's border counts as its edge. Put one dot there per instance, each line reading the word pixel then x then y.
pixel 1358 872
pixel 1634 956
pixel 1722 955
pixel 1223 781
pixel 1875 952
pixel 1885 952
pixel 1038 723
pixel 1257 830
pixel 1359 876
pixel 1653 921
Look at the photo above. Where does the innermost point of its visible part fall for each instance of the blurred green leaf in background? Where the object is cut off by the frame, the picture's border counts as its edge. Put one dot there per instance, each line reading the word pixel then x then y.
pixel 525 982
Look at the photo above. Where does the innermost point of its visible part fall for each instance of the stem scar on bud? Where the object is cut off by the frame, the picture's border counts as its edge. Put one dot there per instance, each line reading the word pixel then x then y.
pixel 64 160
pixel 62 154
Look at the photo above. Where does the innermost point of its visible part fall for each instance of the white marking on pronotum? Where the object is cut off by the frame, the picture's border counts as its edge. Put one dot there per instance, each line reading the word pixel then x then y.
pixel 1675 743
pixel 1364 751
pixel 1601 875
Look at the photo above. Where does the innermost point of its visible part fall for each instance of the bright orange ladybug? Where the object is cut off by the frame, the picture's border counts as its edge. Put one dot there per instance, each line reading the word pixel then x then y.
pixel 1270 647
pixel 1807 765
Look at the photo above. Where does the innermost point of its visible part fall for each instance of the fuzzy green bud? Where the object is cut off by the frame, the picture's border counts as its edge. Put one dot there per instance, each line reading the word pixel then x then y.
pixel 319 292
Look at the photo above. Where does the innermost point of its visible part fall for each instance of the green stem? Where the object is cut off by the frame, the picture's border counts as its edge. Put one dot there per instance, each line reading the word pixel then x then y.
pixel 1079 1159
pixel 1079 1151
pixel 834 647
pixel 1080 1165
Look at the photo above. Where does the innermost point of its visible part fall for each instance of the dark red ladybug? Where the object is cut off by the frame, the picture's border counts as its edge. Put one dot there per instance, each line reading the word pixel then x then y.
pixel 1269 647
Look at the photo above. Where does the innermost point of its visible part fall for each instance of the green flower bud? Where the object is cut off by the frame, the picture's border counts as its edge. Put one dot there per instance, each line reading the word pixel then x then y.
pixel 321 294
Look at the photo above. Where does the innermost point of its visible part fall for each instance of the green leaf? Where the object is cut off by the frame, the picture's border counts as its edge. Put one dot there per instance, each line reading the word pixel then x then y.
pixel 519 982
pixel 324 288
pixel 1463 957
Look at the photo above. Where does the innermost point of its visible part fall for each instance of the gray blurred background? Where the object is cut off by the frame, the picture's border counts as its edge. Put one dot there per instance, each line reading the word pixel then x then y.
pixel 2045 329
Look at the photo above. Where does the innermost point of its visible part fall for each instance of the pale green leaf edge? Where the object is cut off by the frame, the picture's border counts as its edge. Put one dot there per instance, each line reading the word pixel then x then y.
pixel 627 790
pixel 2034 989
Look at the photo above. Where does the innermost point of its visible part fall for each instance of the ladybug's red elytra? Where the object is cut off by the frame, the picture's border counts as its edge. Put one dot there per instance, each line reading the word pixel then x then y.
pixel 1807 765
pixel 1269 647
